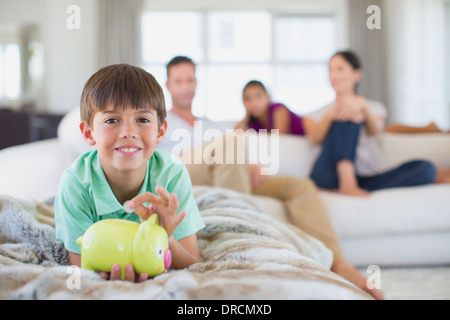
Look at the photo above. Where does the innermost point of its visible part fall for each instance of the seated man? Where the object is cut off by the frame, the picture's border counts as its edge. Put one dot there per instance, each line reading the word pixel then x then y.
pixel 300 196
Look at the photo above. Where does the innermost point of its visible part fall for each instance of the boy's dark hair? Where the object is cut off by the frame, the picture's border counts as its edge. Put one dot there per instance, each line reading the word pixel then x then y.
pixel 177 61
pixel 121 85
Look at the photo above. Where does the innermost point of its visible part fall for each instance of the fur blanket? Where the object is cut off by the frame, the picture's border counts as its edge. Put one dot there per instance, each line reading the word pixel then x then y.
pixel 245 255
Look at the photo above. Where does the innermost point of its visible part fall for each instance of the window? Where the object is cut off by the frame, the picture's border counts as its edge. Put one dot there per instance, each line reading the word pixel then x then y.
pixel 231 48
pixel 9 71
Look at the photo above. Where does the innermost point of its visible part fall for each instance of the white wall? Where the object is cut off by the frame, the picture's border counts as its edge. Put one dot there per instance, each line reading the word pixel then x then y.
pixel 71 56
pixel 21 11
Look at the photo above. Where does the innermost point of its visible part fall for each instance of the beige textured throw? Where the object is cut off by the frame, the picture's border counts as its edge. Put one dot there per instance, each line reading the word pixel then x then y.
pixel 245 255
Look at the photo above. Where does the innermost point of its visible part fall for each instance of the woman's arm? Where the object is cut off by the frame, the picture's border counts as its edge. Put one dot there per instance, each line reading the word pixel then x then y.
pixel 317 131
pixel 356 109
pixel 243 124
pixel 374 125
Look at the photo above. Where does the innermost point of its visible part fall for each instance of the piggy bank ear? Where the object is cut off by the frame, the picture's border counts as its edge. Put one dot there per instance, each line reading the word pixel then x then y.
pixel 153 219
pixel 140 233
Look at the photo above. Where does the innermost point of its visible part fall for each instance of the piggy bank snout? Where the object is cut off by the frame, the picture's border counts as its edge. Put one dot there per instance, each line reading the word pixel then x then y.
pixel 167 258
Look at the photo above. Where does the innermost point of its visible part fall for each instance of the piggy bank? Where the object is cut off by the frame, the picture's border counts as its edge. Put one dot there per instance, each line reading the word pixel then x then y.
pixel 111 241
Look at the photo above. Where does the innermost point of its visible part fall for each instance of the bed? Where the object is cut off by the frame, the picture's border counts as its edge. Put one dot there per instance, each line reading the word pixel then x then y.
pixel 246 254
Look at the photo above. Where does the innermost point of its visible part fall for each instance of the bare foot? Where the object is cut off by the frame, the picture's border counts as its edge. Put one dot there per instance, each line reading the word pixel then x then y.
pixel 354 191
pixel 348 183
pixel 350 273
pixel 442 180
pixel 443 176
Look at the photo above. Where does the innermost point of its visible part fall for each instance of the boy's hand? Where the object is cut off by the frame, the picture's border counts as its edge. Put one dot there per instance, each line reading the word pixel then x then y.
pixel 130 275
pixel 166 206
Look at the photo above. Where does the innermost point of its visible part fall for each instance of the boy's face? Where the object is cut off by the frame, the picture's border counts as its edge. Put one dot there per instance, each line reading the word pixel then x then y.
pixel 125 139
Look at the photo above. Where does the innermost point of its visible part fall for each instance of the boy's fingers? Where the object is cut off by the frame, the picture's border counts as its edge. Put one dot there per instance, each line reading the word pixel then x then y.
pixel 165 195
pixel 174 204
pixel 179 217
pixel 145 197
pixel 143 277
pixel 103 274
pixel 115 272
pixel 143 212
pixel 129 273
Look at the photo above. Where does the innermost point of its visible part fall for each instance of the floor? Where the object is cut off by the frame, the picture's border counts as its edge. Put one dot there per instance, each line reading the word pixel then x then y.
pixel 415 283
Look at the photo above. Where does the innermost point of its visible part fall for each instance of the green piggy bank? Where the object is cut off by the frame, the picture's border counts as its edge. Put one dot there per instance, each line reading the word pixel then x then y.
pixel 111 241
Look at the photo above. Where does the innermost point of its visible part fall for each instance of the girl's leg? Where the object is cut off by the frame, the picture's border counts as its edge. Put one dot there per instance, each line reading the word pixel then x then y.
pixel 414 173
pixel 334 169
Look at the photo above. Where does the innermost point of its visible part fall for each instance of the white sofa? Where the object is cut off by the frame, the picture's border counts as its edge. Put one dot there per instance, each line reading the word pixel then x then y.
pixel 407 226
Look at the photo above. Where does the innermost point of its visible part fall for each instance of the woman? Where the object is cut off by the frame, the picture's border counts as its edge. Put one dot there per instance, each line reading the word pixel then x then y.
pixel 349 130
pixel 262 113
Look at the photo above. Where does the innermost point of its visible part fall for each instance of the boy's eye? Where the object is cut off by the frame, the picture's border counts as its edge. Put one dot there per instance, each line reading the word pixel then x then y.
pixel 111 121
pixel 143 120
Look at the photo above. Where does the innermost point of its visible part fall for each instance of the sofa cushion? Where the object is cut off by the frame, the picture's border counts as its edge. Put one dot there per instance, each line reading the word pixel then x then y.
pixel 391 211
pixel 70 137
pixel 401 148
pixel 32 170
pixel 398 250
pixel 297 154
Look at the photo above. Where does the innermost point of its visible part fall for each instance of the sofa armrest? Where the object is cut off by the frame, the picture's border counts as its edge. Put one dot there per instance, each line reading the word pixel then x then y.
pixel 32 170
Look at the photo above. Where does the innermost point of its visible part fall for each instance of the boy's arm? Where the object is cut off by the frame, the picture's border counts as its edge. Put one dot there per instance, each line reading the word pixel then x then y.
pixel 185 251
pixel 74 259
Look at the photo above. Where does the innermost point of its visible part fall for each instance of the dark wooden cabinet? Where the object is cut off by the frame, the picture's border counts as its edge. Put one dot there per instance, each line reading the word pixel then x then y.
pixel 23 127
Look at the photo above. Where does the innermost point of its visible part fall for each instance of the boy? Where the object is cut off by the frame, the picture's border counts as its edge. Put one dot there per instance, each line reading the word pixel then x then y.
pixel 123 114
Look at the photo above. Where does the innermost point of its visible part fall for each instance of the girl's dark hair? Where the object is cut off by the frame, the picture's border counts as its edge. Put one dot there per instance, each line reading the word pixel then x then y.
pixel 255 83
pixel 351 57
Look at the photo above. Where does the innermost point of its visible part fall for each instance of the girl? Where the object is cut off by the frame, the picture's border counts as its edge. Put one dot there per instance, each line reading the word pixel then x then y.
pixel 263 114
pixel 349 131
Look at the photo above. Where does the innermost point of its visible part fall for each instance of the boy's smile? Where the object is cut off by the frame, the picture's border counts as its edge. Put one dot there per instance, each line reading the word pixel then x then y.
pixel 128 151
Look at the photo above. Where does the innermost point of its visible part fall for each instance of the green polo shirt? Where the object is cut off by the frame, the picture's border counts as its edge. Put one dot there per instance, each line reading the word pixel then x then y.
pixel 85 196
